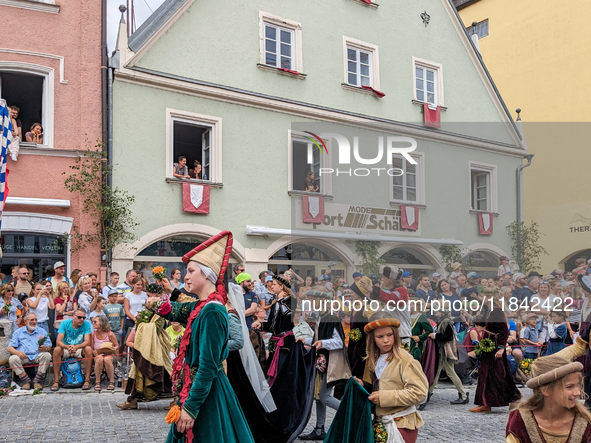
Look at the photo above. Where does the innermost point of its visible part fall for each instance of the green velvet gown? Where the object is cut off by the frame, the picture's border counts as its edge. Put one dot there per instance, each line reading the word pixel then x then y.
pixel 211 401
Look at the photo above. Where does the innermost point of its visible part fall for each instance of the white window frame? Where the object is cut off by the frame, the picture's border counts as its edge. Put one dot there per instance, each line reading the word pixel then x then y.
pixel 420 158
pixel 325 162
pixel 296 49
pixel 492 192
pixel 48 108
pixel 374 62
pixel 438 68
pixel 35 5
pixel 215 123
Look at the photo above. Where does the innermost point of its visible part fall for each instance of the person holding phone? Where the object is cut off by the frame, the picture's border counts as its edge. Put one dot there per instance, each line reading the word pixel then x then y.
pixel 39 302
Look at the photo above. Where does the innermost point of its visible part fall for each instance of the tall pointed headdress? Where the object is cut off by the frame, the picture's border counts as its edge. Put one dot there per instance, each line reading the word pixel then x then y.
pixel 214 253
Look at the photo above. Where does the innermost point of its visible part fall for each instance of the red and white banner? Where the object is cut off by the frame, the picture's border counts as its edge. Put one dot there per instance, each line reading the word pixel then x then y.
pixel 409 217
pixel 196 198
pixel 313 209
pixel 485 223
pixel 432 115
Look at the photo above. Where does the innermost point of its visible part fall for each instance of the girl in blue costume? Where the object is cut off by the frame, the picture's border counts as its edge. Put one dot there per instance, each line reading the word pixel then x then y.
pixel 209 411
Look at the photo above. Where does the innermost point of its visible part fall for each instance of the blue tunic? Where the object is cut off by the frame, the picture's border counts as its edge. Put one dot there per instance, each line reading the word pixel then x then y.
pixel 557 344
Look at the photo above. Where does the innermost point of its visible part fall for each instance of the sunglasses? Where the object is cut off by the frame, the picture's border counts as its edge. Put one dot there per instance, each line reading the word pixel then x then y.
pixel 80 318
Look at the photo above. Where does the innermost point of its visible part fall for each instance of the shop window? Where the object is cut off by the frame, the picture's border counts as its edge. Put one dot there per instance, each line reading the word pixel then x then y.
pixel 25 91
pixel 36 252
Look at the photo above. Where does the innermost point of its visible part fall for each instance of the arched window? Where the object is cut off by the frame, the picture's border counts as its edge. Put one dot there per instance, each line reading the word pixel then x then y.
pixel 409 260
pixel 307 259
pixel 168 253
pixel 569 264
pixel 485 264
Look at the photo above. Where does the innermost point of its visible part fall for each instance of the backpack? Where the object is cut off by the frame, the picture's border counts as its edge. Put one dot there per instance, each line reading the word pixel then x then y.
pixel 71 374
pixel 5 377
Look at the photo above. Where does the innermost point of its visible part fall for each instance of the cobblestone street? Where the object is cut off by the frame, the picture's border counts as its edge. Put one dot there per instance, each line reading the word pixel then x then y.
pixel 89 417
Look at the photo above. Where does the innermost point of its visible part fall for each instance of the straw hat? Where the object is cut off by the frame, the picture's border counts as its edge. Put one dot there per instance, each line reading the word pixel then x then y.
pixel 106 348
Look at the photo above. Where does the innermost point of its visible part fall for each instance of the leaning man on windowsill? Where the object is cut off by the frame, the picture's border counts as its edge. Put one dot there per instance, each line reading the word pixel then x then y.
pixel 25 350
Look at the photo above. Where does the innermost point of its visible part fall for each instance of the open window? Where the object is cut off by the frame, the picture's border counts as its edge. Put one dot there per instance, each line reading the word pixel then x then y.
pixel 306 161
pixel 197 138
pixel 26 92
pixel 194 143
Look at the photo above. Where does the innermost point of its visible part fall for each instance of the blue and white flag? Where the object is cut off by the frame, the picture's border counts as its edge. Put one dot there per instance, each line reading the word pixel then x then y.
pixel 5 136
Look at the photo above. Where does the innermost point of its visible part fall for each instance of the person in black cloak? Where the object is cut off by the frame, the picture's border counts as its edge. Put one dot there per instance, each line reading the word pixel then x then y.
pixel 331 360
pixel 359 318
pixel 290 375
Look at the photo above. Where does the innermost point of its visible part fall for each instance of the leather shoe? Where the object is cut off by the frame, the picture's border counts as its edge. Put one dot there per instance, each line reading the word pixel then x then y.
pixel 38 386
pixel 316 434
pixel 128 405
pixel 422 406
pixel 480 409
pixel 26 386
pixel 460 400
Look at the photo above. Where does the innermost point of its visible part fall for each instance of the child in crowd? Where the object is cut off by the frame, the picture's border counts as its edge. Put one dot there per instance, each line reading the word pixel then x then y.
pixel 531 337
pixel 395 379
pixel 115 314
pixel 98 310
pixel 557 332
pixel 103 358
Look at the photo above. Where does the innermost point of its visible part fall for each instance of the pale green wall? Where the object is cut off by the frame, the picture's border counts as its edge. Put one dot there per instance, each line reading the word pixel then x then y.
pixel 218 41
pixel 255 172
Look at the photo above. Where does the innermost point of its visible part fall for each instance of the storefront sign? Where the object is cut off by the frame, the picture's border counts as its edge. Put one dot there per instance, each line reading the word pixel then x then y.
pixel 355 218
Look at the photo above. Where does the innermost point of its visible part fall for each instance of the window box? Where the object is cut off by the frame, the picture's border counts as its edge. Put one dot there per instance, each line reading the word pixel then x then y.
pixel 280 44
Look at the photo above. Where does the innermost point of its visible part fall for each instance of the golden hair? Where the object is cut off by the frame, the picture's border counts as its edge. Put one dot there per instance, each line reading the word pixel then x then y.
pixel 536 401
pixel 81 281
pixel 61 285
pixel 576 293
pixel 373 352
pixel 5 288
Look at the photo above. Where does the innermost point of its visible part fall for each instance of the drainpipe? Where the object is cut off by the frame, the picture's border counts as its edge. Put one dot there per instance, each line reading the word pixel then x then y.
pixel 518 173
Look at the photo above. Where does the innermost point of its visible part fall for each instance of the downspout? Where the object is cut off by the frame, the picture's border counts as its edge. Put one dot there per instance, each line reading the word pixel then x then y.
pixel 104 98
pixel 518 174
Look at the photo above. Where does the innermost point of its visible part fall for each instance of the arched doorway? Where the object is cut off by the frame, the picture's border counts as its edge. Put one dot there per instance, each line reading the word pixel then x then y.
pixel 485 264
pixel 307 259
pixel 410 260
pixel 569 263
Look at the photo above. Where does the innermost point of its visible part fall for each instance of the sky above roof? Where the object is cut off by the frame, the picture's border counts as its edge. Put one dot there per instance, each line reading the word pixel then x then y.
pixel 143 9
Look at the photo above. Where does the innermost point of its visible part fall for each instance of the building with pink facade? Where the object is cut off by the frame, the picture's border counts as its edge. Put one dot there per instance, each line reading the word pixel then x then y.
pixel 50 68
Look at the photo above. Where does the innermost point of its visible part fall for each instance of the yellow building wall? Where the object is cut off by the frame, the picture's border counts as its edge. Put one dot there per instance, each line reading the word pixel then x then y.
pixel 539 55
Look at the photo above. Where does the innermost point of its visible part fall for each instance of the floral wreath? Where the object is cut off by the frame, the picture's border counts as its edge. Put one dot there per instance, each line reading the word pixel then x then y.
pixel 485 345
pixel 355 335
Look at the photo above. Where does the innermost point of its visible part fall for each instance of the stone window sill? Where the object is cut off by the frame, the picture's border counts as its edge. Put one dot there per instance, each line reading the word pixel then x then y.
pixel 299 75
pixel 312 194
pixel 33 5
pixel 180 181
